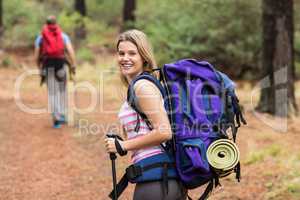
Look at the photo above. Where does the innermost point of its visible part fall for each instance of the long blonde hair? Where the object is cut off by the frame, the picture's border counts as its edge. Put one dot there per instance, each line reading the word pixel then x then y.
pixel 140 40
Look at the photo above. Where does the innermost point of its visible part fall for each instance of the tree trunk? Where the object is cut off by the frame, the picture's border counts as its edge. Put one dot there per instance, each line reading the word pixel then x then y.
pixel 1 19
pixel 277 95
pixel 80 7
pixel 128 14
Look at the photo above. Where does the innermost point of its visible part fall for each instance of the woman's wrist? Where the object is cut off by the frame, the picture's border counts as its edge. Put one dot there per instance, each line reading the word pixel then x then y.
pixel 124 145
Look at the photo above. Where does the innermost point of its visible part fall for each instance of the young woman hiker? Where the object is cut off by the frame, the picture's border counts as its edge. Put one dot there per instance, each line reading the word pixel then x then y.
pixel 152 170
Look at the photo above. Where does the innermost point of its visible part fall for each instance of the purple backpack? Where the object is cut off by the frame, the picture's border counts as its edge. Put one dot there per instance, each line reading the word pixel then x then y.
pixel 202 106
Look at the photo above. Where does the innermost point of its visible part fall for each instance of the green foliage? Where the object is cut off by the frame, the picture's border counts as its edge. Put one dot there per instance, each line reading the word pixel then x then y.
pixel 21 22
pixel 294 188
pixel 254 158
pixel 69 21
pixel 85 54
pixel 6 62
pixel 258 156
pixel 97 32
pixel 226 32
pixel 274 150
pixel 292 179
pixel 104 20
pixel 287 185
pixel 103 11
pixel 24 21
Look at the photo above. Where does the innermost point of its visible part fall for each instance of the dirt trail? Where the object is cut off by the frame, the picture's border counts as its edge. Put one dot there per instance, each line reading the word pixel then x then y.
pixel 38 162
pixel 41 163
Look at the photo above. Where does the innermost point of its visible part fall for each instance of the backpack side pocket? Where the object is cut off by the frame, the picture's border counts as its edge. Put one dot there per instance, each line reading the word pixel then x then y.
pixel 192 164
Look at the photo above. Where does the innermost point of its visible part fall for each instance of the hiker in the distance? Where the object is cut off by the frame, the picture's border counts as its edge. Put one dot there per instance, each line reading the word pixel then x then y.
pixel 158 179
pixel 53 50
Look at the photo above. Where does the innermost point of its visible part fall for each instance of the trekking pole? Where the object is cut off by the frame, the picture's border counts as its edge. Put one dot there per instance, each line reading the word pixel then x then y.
pixel 113 157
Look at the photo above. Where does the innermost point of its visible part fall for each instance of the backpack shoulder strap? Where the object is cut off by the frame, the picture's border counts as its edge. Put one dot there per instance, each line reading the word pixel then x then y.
pixel 133 101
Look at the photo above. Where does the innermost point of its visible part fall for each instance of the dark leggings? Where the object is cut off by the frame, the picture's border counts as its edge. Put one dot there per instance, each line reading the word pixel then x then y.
pixel 154 191
pixel 55 64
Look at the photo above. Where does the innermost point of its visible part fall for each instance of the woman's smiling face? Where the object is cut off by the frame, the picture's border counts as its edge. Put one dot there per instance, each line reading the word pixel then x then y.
pixel 129 60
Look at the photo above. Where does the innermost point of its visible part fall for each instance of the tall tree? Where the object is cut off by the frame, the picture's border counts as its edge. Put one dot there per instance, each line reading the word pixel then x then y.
pixel 128 14
pixel 1 19
pixel 277 94
pixel 80 7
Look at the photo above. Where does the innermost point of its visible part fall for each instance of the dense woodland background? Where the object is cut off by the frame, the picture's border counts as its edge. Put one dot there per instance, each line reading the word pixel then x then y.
pixel 227 33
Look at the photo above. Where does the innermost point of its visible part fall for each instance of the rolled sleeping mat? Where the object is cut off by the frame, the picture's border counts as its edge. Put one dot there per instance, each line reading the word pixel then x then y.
pixel 223 155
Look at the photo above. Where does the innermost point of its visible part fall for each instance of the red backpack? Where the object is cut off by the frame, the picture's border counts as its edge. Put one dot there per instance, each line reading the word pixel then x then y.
pixel 52 42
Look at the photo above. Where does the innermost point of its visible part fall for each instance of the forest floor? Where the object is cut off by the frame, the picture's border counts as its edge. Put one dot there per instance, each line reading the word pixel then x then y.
pixel 38 162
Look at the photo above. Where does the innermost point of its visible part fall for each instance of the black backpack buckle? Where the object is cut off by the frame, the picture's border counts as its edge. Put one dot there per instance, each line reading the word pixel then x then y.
pixel 133 172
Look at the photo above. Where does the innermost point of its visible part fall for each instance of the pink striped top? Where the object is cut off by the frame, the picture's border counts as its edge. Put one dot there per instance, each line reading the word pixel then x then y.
pixel 128 119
